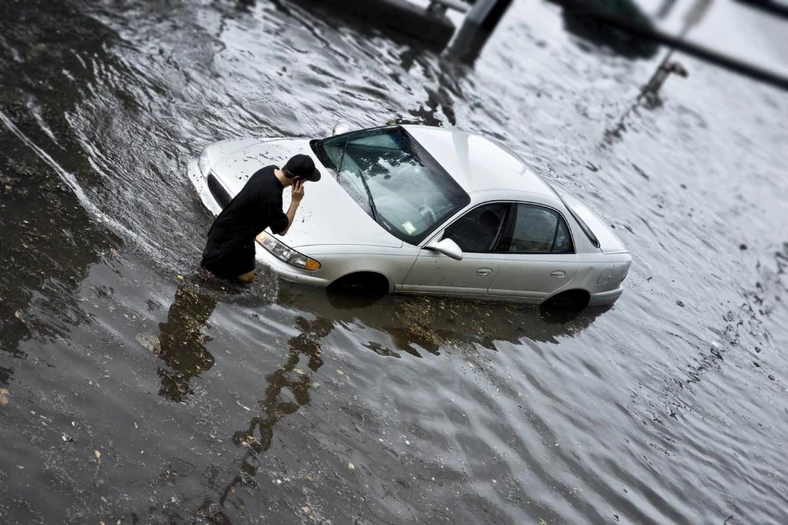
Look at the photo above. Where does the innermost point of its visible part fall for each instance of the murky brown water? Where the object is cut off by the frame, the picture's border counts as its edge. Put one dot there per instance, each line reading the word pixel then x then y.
pixel 128 395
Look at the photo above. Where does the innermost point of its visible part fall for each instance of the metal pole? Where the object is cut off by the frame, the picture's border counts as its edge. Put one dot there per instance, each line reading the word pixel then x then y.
pixel 476 27
pixel 709 55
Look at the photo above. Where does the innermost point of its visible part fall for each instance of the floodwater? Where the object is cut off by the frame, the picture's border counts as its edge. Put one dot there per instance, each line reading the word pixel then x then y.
pixel 133 392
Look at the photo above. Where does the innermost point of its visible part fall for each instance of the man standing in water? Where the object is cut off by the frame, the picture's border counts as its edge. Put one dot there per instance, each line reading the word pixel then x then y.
pixel 229 253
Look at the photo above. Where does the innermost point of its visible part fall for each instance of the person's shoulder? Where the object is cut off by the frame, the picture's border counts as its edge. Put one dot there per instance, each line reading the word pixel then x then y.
pixel 263 176
pixel 266 182
pixel 265 171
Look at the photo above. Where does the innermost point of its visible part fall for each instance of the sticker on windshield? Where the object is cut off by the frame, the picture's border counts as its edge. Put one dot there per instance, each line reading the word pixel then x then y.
pixel 409 227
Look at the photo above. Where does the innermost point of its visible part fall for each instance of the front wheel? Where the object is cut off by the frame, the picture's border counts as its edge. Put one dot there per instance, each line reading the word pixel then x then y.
pixel 362 286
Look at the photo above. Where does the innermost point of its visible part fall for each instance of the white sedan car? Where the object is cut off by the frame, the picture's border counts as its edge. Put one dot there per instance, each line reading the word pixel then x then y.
pixel 423 210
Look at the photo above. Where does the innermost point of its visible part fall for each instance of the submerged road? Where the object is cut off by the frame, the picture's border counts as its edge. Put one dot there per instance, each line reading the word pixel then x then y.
pixel 131 392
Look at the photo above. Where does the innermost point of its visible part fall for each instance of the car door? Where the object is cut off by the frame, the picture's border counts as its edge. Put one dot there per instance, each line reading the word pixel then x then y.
pixel 538 255
pixel 478 233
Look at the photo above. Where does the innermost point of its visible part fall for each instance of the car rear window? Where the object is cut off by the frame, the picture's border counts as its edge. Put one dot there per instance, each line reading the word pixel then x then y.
pixel 583 226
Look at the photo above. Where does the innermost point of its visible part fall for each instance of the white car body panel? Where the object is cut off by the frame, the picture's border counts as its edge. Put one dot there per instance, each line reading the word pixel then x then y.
pixel 333 229
pixel 436 274
pixel 478 163
pixel 533 276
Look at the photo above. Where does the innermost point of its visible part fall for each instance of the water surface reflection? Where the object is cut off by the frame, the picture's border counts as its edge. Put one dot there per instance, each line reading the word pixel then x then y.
pixel 449 412
pixel 181 343
pixel 420 327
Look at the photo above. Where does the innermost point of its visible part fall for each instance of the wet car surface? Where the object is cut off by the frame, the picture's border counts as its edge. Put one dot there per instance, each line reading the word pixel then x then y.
pixel 134 390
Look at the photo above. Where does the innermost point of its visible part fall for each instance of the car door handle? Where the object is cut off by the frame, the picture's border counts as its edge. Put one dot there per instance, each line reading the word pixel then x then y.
pixel 484 271
pixel 558 274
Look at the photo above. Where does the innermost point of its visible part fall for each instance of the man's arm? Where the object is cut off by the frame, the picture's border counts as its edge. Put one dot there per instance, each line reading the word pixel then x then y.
pixel 291 211
pixel 298 194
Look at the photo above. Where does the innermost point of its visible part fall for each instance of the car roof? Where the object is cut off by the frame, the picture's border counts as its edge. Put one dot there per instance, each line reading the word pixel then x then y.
pixel 479 164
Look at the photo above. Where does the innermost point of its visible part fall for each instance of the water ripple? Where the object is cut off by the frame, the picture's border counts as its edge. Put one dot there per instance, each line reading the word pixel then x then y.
pixel 234 406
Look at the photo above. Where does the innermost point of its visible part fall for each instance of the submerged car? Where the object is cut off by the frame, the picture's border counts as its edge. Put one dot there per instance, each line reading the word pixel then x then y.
pixel 424 210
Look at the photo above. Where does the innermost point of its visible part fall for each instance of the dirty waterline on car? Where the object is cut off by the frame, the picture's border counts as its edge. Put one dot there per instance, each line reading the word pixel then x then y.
pixel 129 394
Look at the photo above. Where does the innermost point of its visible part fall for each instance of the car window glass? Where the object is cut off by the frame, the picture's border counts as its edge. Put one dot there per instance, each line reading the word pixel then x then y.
pixel 563 241
pixel 479 230
pixel 539 230
pixel 383 141
pixel 351 181
pixel 394 179
pixel 583 226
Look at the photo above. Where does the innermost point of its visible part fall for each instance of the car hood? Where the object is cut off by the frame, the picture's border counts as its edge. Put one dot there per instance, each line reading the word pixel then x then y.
pixel 327 214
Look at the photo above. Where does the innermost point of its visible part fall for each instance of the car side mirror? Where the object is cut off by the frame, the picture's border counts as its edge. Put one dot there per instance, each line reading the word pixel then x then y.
pixel 447 247
pixel 340 128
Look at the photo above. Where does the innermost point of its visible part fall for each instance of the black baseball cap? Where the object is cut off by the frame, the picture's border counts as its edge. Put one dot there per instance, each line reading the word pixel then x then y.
pixel 303 166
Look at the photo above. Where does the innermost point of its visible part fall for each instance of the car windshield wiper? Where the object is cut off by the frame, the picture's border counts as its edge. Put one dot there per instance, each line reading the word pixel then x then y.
pixel 342 158
pixel 369 194
pixel 363 181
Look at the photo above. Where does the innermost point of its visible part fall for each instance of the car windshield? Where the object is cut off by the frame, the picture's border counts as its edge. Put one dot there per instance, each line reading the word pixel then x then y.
pixel 393 178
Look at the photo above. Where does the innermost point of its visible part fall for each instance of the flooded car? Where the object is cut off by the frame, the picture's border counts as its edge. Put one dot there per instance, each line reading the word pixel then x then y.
pixel 427 211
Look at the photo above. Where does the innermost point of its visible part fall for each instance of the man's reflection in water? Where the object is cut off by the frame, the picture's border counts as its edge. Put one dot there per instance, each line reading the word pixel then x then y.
pixel 181 343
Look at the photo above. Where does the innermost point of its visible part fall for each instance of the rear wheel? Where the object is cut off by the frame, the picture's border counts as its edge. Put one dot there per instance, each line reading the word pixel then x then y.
pixel 565 306
pixel 569 299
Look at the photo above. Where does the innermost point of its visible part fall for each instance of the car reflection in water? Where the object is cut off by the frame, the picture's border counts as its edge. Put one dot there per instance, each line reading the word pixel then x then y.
pixel 422 323
pixel 416 325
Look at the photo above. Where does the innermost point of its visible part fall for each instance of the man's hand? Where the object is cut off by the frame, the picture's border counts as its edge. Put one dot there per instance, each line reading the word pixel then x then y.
pixel 298 191
pixel 297 195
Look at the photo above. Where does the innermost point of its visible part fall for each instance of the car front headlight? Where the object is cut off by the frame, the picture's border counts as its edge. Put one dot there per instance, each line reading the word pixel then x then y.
pixel 284 253
pixel 204 163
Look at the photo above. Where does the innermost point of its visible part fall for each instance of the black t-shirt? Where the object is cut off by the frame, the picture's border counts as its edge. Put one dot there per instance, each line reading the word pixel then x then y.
pixel 256 207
